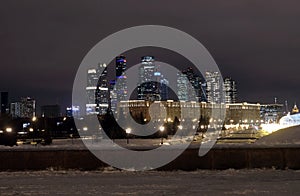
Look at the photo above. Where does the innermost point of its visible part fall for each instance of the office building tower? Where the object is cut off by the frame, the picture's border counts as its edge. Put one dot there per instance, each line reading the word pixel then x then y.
pixel 28 107
pixel 214 89
pixel 4 103
pixel 102 91
pixel 148 85
pixel 190 86
pixel 15 109
pixel 230 90
pixel 113 95
pixel 164 91
pixel 97 90
pixel 182 87
pixel 73 111
pixel 121 84
pixel 23 109
pixel 92 80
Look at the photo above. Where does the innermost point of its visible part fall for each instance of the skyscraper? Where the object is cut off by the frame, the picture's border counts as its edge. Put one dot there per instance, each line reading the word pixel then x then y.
pixel 28 107
pixel 186 92
pixel 148 86
pixel 182 87
pixel 120 65
pixel 214 91
pixel 230 90
pixel 164 91
pixel 102 91
pixel 121 87
pixel 23 109
pixel 97 90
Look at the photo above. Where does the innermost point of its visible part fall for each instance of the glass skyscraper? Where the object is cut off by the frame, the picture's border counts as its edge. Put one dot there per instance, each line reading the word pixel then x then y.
pixel 149 80
pixel 230 90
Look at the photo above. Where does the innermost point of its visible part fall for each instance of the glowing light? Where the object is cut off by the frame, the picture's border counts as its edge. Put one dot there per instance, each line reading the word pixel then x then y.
pixel 85 128
pixel 8 129
pixel 34 118
pixel 31 129
pixel 180 127
pixel 161 128
pixel 128 130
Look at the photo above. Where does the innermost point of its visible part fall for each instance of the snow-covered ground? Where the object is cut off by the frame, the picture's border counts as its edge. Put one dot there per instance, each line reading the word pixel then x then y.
pixel 284 136
pixel 112 182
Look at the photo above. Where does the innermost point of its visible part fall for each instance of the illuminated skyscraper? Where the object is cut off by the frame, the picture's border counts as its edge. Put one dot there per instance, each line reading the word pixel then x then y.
pixel 196 91
pixel 230 90
pixel 120 65
pixel 148 87
pixel 182 87
pixel 23 109
pixel 102 91
pixel 97 90
pixel 214 91
pixel 164 91
pixel 121 87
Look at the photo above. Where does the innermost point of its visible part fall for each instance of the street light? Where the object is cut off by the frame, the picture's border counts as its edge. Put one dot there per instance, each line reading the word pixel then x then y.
pixel 162 128
pixel 128 131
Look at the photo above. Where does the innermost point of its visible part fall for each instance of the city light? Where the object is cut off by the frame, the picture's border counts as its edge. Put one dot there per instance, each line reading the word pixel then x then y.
pixel 161 128
pixel 34 118
pixel 8 130
pixel 128 130
pixel 85 129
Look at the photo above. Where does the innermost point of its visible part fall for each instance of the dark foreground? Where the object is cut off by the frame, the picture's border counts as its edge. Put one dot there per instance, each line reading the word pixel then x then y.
pixel 111 182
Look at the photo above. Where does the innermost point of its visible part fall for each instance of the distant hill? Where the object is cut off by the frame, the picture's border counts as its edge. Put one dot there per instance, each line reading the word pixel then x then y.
pixel 284 136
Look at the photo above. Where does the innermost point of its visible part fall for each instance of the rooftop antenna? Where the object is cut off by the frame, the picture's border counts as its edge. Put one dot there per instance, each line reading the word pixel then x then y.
pixel 286 106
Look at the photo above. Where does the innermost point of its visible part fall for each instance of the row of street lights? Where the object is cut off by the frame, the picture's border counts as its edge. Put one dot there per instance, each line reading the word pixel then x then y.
pixel 128 132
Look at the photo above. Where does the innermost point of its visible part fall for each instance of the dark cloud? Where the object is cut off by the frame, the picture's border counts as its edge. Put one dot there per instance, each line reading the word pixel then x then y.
pixel 255 42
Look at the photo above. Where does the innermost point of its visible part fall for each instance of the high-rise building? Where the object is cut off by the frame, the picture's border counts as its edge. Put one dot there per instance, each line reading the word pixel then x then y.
pixel 214 89
pixel 120 65
pixel 15 109
pixel 148 86
pixel 28 110
pixel 73 111
pixel 92 80
pixel 102 91
pixel 182 87
pixel 164 91
pixel 23 109
pixel 97 90
pixel 185 91
pixel 121 84
pixel 230 90
pixel 4 103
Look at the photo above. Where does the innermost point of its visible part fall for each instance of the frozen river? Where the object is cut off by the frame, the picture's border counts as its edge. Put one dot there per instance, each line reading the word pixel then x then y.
pixel 112 182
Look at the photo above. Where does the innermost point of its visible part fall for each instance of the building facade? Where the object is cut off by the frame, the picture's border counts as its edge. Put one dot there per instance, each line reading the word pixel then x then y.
pixel 214 89
pixel 24 109
pixel 230 90
pixel 148 84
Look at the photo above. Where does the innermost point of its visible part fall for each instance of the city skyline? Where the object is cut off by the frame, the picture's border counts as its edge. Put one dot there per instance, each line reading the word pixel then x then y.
pixel 42 45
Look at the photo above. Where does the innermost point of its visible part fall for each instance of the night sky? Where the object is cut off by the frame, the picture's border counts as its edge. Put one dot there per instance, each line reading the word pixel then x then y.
pixel 257 43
